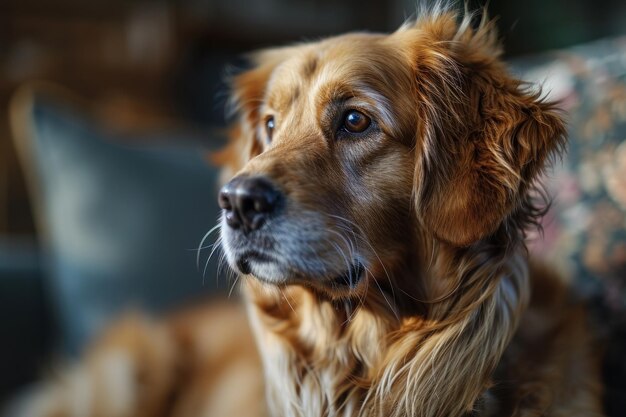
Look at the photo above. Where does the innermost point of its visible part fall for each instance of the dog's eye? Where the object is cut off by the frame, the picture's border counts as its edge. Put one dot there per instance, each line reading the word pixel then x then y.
pixel 269 127
pixel 356 122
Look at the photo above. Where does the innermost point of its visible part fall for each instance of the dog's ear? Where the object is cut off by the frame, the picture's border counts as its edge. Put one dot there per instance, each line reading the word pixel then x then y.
pixel 483 136
pixel 247 94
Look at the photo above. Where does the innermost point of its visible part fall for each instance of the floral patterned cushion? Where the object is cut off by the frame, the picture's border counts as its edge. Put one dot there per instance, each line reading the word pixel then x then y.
pixel 585 229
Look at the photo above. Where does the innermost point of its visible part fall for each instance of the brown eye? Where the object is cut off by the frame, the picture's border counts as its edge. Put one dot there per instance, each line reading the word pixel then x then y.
pixel 356 122
pixel 269 127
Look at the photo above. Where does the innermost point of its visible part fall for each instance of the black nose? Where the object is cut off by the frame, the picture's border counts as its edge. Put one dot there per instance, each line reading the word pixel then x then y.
pixel 248 202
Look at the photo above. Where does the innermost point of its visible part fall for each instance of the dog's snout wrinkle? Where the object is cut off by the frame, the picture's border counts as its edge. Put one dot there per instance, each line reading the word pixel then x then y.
pixel 248 202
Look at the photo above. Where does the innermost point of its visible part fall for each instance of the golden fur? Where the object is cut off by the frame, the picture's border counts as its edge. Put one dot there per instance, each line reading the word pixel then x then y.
pixel 450 318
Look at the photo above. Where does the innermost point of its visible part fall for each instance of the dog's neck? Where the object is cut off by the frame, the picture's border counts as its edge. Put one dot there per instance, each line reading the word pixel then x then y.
pixel 428 350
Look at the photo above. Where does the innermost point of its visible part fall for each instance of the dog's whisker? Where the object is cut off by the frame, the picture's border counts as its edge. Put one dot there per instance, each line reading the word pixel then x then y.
pixel 341 253
pixel 347 308
pixel 222 265
pixel 382 292
pixel 206 264
pixel 232 287
pixel 282 292
pixel 218 244
pixel 353 309
pixel 231 275
pixel 204 238
pixel 347 227
pixel 349 244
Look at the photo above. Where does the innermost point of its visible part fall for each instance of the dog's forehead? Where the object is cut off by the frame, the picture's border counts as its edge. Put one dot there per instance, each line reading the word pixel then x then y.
pixel 345 50
pixel 346 62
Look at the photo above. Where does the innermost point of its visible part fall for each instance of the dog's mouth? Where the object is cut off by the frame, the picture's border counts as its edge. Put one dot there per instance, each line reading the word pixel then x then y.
pixel 244 262
pixel 350 278
pixel 347 280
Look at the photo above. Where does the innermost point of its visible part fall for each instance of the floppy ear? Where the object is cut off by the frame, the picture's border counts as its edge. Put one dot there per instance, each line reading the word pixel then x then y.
pixel 247 95
pixel 483 136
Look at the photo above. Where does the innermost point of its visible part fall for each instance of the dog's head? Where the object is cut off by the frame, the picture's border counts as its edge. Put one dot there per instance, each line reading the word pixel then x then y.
pixel 350 149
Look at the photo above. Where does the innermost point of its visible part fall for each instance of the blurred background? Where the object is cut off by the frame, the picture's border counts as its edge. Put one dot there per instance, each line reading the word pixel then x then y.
pixel 107 108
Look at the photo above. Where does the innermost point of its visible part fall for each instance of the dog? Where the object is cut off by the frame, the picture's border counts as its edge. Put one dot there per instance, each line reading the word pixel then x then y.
pixel 377 191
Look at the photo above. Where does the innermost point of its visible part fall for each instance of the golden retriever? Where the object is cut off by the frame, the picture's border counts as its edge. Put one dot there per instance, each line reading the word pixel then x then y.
pixel 378 189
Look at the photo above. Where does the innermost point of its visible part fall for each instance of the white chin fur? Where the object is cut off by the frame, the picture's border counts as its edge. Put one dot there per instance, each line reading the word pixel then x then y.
pixel 268 271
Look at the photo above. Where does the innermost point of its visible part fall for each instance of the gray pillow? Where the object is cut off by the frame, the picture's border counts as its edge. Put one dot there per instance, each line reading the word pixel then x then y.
pixel 121 222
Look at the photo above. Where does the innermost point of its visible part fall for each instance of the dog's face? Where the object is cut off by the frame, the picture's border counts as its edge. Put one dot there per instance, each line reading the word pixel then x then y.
pixel 351 149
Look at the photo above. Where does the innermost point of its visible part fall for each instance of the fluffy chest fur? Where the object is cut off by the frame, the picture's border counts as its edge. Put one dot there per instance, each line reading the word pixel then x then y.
pixel 322 358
